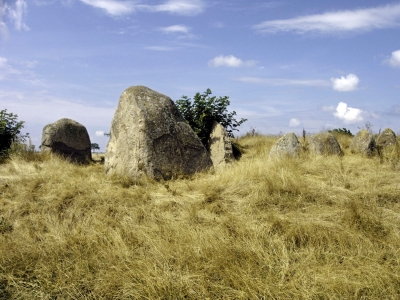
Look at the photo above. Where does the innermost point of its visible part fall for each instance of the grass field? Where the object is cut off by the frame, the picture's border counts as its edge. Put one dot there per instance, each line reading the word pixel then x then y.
pixel 316 227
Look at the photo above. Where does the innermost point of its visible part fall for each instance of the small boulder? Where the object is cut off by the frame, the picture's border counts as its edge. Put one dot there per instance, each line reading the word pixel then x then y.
pixel 324 143
pixel 220 146
pixel 68 138
pixel 287 145
pixel 363 142
pixel 150 137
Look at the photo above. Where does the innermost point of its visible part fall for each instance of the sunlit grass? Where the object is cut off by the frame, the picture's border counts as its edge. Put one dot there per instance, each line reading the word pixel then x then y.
pixel 316 227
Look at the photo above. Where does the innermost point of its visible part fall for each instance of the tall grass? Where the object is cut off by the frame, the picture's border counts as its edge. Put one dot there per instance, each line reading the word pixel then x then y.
pixel 316 227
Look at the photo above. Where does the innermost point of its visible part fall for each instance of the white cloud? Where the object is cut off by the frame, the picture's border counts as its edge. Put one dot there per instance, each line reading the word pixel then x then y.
pixel 294 122
pixel 3 26
pixel 345 84
pixel 15 13
pixel 119 8
pixel 6 69
pixel 394 60
pixel 175 29
pixel 348 114
pixel 3 62
pixel 99 133
pixel 230 61
pixel 335 22
pixel 160 48
pixel 112 7
pixel 284 81
pixel 328 108
pixel 180 7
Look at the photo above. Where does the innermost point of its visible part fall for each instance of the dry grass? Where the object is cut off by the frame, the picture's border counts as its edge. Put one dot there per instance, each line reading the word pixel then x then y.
pixel 310 228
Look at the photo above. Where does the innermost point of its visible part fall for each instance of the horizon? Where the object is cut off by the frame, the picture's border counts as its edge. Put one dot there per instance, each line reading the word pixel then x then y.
pixel 285 65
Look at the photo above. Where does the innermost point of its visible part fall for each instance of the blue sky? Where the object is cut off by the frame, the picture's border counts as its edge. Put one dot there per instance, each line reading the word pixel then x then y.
pixel 286 65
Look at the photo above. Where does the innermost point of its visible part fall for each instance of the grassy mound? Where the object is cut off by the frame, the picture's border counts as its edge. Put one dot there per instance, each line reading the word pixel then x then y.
pixel 316 227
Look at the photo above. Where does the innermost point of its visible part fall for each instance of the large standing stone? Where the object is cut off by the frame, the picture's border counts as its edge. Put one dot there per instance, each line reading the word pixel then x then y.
pixel 324 143
pixel 363 143
pixel 287 145
pixel 150 136
pixel 386 143
pixel 220 146
pixel 386 138
pixel 68 138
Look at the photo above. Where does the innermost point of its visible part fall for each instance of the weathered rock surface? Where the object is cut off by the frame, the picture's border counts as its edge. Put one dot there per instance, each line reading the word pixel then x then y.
pixel 68 138
pixel 150 137
pixel 287 145
pixel 363 143
pixel 386 138
pixel 220 146
pixel 324 143
pixel 386 144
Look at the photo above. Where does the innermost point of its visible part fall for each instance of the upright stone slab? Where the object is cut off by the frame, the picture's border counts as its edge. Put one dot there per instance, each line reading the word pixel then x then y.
pixel 386 143
pixel 68 138
pixel 387 138
pixel 324 143
pixel 287 145
pixel 363 143
pixel 150 137
pixel 220 146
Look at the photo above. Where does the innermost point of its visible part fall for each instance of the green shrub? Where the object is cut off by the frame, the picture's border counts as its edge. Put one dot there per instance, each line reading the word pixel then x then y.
pixel 205 109
pixel 343 131
pixel 10 132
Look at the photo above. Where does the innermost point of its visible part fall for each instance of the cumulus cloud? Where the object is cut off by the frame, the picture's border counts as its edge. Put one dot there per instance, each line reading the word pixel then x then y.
pixel 345 84
pixel 348 114
pixel 294 122
pixel 394 60
pixel 230 61
pixel 99 133
pixel 284 81
pixel 380 17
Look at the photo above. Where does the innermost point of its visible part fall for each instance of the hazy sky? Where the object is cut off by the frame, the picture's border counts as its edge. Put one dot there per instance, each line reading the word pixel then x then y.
pixel 284 64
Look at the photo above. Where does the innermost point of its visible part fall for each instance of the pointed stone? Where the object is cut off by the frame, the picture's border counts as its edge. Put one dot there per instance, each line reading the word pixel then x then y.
pixel 363 143
pixel 287 145
pixel 220 146
pixel 150 137
pixel 324 143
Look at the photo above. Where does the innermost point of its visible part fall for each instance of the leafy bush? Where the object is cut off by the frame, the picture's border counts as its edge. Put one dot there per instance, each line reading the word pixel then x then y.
pixel 205 109
pixel 10 131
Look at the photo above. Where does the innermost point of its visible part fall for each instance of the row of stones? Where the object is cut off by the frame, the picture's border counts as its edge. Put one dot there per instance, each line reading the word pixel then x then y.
pixel 148 136
pixel 326 143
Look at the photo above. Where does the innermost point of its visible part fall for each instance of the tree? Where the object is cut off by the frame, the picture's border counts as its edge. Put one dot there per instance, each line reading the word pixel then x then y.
pixel 10 131
pixel 95 146
pixel 205 109
pixel 343 131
